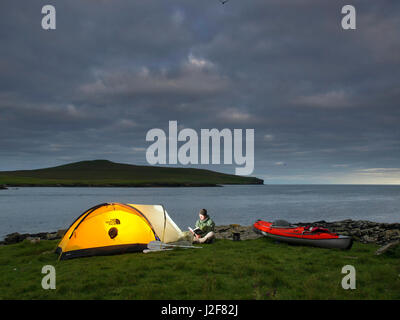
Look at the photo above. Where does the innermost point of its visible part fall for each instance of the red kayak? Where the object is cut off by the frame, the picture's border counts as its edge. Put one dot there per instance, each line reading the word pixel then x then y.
pixel 312 236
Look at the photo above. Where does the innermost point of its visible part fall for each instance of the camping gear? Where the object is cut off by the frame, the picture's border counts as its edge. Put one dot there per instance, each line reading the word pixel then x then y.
pixel 157 245
pixel 112 228
pixel 236 236
pixel 156 250
pixel 312 236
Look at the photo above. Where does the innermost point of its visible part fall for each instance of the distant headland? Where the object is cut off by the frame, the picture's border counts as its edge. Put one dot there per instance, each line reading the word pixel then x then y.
pixel 104 173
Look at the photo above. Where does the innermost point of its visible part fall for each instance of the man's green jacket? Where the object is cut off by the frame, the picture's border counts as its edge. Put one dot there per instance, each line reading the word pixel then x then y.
pixel 205 226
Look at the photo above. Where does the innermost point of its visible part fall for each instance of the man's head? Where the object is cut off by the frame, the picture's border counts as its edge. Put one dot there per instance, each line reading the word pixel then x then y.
pixel 203 214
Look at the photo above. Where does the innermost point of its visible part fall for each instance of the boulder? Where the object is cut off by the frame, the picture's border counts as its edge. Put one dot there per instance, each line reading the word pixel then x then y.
pixel 15 238
pixel 226 232
pixel 356 232
pixel 61 233
pixel 392 234
pixel 33 239
pixel 52 236
pixel 41 235
pixel 368 239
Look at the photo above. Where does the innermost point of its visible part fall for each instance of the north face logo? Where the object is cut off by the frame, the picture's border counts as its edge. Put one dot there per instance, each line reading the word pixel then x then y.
pixel 113 222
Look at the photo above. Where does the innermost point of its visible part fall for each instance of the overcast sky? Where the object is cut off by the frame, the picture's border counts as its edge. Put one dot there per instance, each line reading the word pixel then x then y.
pixel 324 102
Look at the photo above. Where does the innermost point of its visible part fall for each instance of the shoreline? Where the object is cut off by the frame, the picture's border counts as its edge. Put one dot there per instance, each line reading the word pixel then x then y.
pixel 145 185
pixel 363 231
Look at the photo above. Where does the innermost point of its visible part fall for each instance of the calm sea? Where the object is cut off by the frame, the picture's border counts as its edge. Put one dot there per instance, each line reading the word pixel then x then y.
pixel 32 210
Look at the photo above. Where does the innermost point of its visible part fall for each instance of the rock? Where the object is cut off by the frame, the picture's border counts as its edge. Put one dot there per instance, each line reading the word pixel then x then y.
pixel 356 232
pixel 3 187
pixel 226 232
pixel 12 238
pixel 61 233
pixel 367 231
pixel 364 231
pixel 15 238
pixel 41 235
pixel 394 226
pixel 52 236
pixel 219 229
pixel 33 240
pixel 368 239
pixel 387 247
pixel 392 234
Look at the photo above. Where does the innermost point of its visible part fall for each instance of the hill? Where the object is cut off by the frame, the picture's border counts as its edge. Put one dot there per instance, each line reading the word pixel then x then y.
pixel 104 173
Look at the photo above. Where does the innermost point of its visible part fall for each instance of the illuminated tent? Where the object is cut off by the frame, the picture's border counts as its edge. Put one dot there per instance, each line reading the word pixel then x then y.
pixel 113 228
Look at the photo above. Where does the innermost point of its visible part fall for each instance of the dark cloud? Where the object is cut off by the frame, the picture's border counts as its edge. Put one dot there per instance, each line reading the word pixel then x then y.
pixel 323 101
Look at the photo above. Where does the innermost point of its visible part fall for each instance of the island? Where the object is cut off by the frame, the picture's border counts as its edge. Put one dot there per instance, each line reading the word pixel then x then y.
pixel 105 173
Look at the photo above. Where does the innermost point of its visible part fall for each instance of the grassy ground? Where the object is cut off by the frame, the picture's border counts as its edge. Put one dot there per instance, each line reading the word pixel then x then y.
pixel 251 269
pixel 107 173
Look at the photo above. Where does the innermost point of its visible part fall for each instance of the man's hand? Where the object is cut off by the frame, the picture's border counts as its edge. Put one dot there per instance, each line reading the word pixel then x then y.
pixel 197 236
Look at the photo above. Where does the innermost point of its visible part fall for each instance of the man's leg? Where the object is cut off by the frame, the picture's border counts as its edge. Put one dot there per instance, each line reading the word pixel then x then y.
pixel 208 238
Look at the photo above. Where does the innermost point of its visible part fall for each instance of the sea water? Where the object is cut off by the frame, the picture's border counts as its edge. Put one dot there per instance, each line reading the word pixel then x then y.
pixel 33 210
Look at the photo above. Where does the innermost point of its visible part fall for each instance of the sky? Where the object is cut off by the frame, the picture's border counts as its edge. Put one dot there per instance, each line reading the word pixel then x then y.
pixel 324 102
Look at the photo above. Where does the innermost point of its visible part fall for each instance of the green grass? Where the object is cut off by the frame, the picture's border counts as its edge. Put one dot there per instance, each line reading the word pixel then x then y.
pixel 107 173
pixel 251 269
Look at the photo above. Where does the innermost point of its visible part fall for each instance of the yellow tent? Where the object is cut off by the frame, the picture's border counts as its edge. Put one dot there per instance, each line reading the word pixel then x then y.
pixel 112 228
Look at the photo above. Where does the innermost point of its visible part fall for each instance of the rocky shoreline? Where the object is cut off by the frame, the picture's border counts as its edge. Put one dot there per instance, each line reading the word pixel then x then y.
pixel 361 230
pixel 16 237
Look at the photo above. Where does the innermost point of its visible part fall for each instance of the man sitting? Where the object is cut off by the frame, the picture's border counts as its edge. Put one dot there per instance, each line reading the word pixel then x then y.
pixel 206 226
